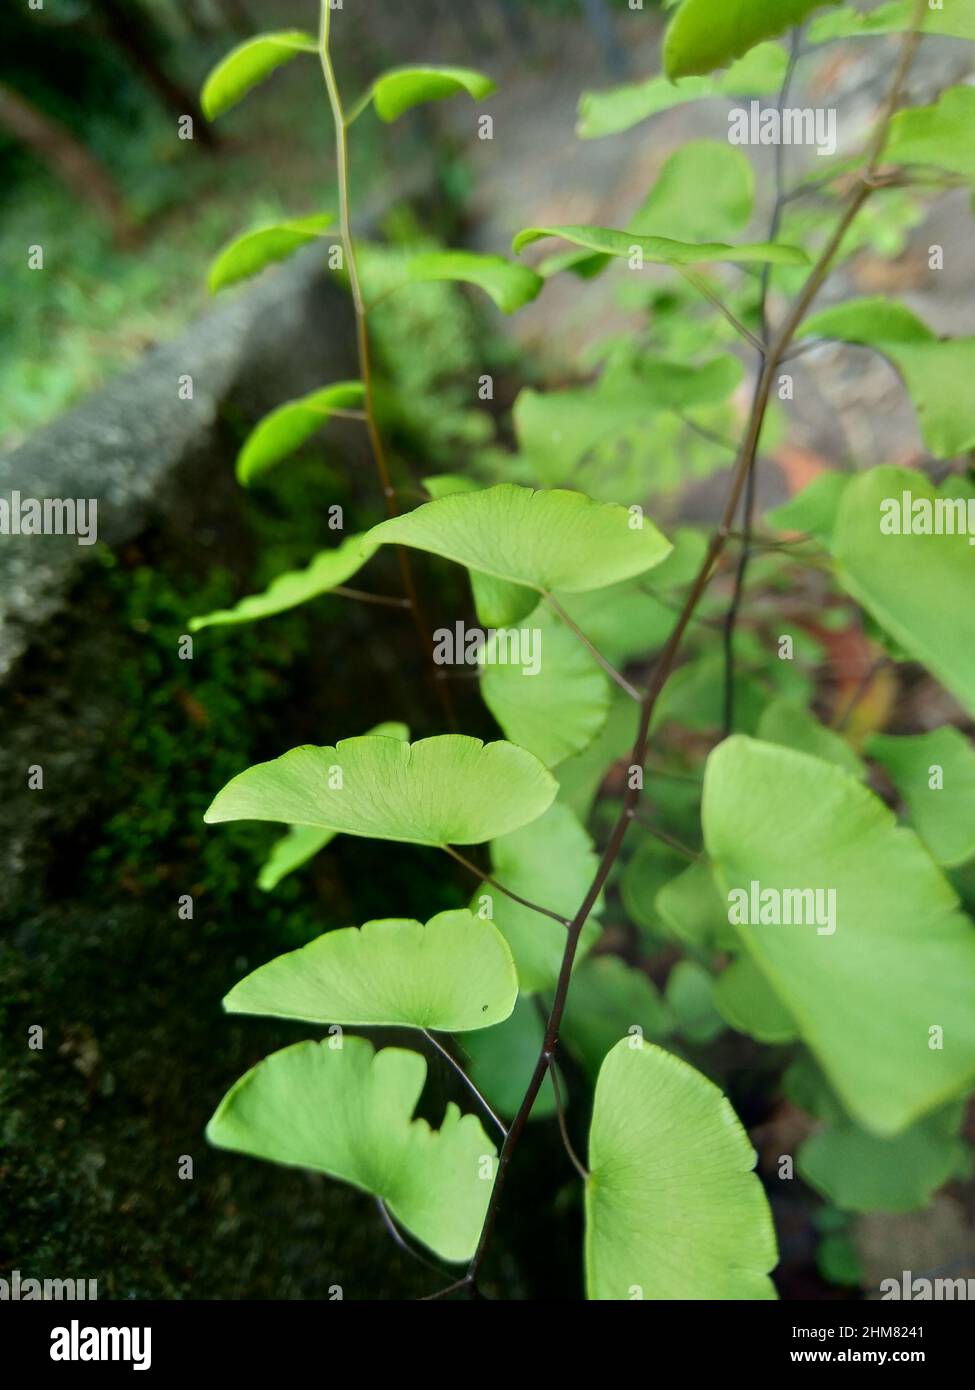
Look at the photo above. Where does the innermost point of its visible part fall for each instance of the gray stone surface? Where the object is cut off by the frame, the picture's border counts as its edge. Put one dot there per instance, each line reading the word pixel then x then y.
pixel 126 445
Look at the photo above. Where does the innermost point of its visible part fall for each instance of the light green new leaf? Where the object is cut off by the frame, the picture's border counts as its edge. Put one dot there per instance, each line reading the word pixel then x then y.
pixel 608 1001
pixel 705 191
pixel 510 285
pixel 859 1172
pixel 901 960
pixel 944 813
pixel 556 429
pixel 759 73
pixel 937 373
pixel 327 571
pixel 673 1209
pixel 746 1000
pixel 498 603
pixel 814 509
pixel 346 1111
pixel 795 727
pixel 708 34
pixel 400 89
pixel 248 64
pixel 542 540
pixel 550 862
pixel 248 254
pixel 502 1059
pixel 580 777
pixel 285 429
pixel 661 250
pixel 443 484
pixel 955 20
pixel 917 587
pixel 303 842
pixel 693 697
pixel 940 135
pixel 624 621
pixel 694 910
pixel 295 848
pixel 445 790
pixel 453 974
pixel 554 708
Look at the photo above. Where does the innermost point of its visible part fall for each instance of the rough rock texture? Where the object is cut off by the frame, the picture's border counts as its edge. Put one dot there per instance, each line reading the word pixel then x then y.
pixel 124 446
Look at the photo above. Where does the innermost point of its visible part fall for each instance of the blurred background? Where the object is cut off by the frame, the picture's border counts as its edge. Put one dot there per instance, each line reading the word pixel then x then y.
pixel 134 743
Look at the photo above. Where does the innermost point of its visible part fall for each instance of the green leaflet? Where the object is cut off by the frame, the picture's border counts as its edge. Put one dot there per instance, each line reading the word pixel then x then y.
pixel 661 250
pixel 502 1059
pixel 328 570
pixel 609 1001
pixel 400 89
pixel 708 34
pixel 705 191
pixel 690 994
pixel 580 777
pixel 673 1209
pixel 814 509
pixel 294 849
pixel 508 284
pixel 445 790
pixel 543 540
pixel 936 373
pixel 623 621
pixel 250 253
pixel 555 707
pixel 795 727
pixel 901 958
pixel 695 911
pixel 550 862
pixel 746 1000
pixel 956 20
pixel 759 73
pixel 303 842
pixel 693 696
pixel 935 774
pixel 452 974
pixel 805 1086
pixel 248 64
pixel 859 1172
pixel 443 484
pixel 940 135
pixel 651 867
pixel 346 1111
pixel 286 428
pixel 917 587
pixel 498 603
pixel 556 429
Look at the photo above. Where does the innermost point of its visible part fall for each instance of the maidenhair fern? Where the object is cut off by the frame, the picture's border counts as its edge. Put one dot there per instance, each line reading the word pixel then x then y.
pixel 807 916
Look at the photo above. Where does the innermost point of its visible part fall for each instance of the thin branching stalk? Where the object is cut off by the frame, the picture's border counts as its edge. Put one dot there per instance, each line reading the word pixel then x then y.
pixel 573 1157
pixel 341 124
pixel 594 651
pixel 751 489
pixel 508 893
pixel 666 839
pixel 475 1092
